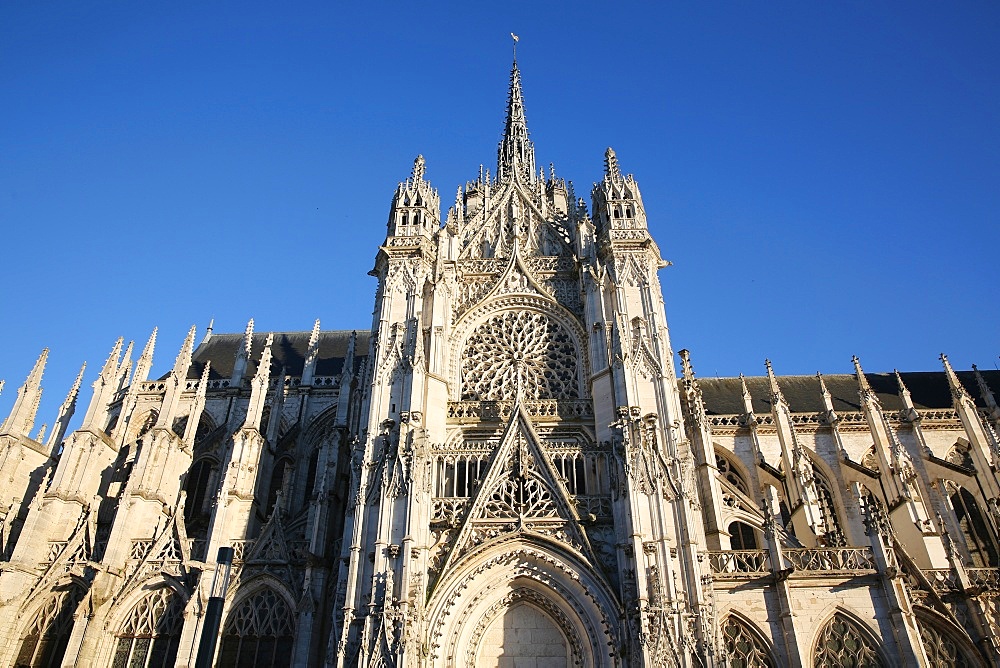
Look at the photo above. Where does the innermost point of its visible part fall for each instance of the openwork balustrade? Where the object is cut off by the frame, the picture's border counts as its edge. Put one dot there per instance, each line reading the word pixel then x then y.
pixel 987 578
pixel 740 562
pixel 831 559
pixel 501 410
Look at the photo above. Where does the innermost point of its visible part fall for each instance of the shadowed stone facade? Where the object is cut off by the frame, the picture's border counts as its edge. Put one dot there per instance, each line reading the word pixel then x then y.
pixel 505 471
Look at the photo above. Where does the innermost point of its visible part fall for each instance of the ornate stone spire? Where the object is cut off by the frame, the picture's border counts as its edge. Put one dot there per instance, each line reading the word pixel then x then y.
pixel 191 429
pixel 904 394
pixel 242 355
pixel 312 354
pixel 864 389
pixel 65 412
pixel 776 396
pixel 104 390
pixel 986 394
pixel 831 415
pixel 516 155
pixel 176 383
pixel 22 416
pixel 145 362
pixel 957 389
pixel 748 413
pixel 612 171
pixel 258 387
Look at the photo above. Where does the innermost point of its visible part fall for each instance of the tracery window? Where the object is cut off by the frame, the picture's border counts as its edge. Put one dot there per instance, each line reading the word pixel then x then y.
pixel 44 642
pixel 259 632
pixel 978 537
pixel 743 647
pixel 843 643
pixel 519 348
pixel 742 536
pixel 940 648
pixel 727 471
pixel 150 635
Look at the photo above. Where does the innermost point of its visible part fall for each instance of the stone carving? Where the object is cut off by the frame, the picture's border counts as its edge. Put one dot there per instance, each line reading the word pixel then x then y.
pixel 519 348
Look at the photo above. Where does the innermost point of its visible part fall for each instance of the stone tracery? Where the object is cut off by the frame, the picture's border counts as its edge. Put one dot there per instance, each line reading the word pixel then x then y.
pixel 514 348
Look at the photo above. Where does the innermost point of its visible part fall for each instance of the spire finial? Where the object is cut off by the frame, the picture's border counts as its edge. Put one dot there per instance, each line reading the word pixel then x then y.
pixel 419 168
pixel 516 39
pixel 612 171
pixel 958 391
pixel 773 380
pixel 687 370
pixel 866 389
pixel 985 392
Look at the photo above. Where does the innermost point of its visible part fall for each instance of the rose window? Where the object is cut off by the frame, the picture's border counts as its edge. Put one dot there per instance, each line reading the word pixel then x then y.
pixel 519 348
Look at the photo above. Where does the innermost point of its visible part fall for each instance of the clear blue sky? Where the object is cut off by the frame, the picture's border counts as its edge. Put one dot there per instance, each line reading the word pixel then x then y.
pixel 824 176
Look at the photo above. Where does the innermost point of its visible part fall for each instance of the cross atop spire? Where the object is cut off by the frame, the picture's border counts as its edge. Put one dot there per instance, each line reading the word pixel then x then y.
pixel 516 155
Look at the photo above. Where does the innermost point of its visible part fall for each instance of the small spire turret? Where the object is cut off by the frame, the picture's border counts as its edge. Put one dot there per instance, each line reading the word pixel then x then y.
pixel 958 390
pixel 864 389
pixel 312 355
pixel 176 382
pixel 22 415
pixel 776 396
pixel 191 429
pixel 416 206
pixel 65 412
pixel 105 388
pixel 242 355
pixel 747 400
pixel 904 394
pixel 612 172
pixel 258 387
pixel 145 362
pixel 986 394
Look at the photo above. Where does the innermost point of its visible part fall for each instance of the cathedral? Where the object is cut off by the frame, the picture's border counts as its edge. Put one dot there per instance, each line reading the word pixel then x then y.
pixel 505 470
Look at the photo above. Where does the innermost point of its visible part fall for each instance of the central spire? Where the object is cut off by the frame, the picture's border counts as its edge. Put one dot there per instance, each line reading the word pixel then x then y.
pixel 516 155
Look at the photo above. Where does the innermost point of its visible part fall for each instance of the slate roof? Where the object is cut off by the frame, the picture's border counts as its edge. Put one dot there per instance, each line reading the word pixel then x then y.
pixel 928 389
pixel 288 350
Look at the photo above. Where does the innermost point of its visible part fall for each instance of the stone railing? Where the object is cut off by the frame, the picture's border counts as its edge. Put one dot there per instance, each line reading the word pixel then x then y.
pixel 943 580
pixel 831 559
pixel 241 549
pixel 536 408
pixel 987 578
pixel 739 562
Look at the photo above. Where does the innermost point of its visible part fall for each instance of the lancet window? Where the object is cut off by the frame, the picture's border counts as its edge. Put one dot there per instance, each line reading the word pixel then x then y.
pixel 150 635
pixel 259 632
pixel 940 648
pixel 44 642
pixel 744 648
pixel 978 537
pixel 843 643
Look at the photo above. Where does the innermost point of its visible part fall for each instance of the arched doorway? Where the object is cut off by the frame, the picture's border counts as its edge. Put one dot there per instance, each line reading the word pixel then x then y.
pixel 523 631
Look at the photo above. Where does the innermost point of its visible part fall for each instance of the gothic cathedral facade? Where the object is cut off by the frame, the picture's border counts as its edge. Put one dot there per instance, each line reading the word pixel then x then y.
pixel 506 471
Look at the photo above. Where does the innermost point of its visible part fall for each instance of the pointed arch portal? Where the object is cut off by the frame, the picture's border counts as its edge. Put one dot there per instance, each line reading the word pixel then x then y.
pixel 522 598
